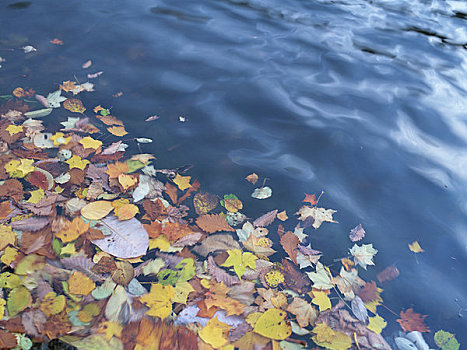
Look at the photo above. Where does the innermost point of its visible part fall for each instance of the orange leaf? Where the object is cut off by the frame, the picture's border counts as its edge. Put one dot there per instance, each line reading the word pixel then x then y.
pixel 117 131
pixel 310 198
pixel 109 119
pixel 217 296
pixel 213 223
pixel 80 284
pixel 126 211
pixel 252 178
pixel 175 231
pixel 5 209
pixel 116 169
pixel 411 321
pixel 154 229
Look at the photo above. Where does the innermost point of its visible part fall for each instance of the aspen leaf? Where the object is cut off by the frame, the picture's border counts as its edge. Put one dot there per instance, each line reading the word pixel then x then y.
pixel 51 304
pixel 18 299
pixel 126 211
pixel 181 291
pixel 159 300
pixel 80 284
pixel 204 202
pixel 96 210
pixel 9 280
pixel 182 182
pixel 376 324
pixel 231 203
pixel 271 324
pixel 215 333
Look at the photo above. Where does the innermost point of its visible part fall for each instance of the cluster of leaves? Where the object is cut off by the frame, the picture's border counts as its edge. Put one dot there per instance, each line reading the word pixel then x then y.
pixel 104 250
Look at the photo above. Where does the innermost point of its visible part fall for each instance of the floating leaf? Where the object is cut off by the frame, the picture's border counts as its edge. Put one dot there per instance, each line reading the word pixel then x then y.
pixel 182 182
pixel 262 192
pixel 89 142
pixel 204 202
pixel 212 223
pixel 125 239
pixel 415 247
pixel 446 340
pixel 215 333
pixel 253 177
pixel 363 254
pixel 376 324
pixel 319 215
pixel 74 105
pixel 271 324
pixel 357 233
pixel 411 321
pixel 322 300
pixel 231 203
pixel 117 130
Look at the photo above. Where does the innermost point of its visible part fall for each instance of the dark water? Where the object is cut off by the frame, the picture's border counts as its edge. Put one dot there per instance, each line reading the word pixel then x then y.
pixel 365 100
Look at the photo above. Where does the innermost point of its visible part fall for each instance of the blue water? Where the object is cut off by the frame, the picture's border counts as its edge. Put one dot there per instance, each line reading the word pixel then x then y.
pixel 365 100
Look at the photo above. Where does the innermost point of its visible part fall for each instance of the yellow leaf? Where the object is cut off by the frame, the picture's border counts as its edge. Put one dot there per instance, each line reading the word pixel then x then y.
pixel 143 157
pixel 252 318
pixel 183 182
pixel 415 247
pixel 126 212
pixel 272 324
pixel 14 129
pixel 68 249
pixel 67 85
pixel 7 236
pixel 80 284
pixel 240 261
pixel 321 299
pixel 118 203
pixel 110 328
pixel 161 242
pixel 73 230
pixel 127 180
pixel 74 105
pixel 11 166
pixel 117 131
pixel 29 264
pixel 9 280
pixel 9 256
pixel 89 142
pixel 77 162
pixel 2 307
pixel 159 300
pixel 96 210
pixel 376 324
pixel 52 304
pixel 25 167
pixel 60 139
pixel 215 333
pixel 231 203
pixel 114 170
pixel 88 312
pixel 18 299
pixel 36 196
pixel 182 289
pixel 330 339
pixel 323 332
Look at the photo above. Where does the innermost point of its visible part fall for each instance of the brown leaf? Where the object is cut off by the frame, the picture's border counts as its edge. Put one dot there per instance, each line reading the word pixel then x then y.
pixel 204 202
pixel 175 231
pixel 304 311
pixel 12 188
pixel 266 219
pixel 171 190
pixel 212 223
pixel 411 321
pixel 293 278
pixel 290 242
pixel 215 243
pixel 155 210
pixel 369 292
pixel 252 178
pixel 388 274
pixel 7 340
pixel 220 275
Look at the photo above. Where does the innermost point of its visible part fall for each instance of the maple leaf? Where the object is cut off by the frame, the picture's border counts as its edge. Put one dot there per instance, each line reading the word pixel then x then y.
pixel 127 181
pixel 240 261
pixel 376 324
pixel 321 278
pixel 213 222
pixel 369 292
pixel 77 162
pixel 14 129
pixel 182 182
pixel 73 230
pixel 310 198
pixel 330 339
pixel 159 300
pixel 304 312
pixel 319 215
pixel 116 169
pixel 217 296
pixel 363 254
pixel 411 321
pixel 67 86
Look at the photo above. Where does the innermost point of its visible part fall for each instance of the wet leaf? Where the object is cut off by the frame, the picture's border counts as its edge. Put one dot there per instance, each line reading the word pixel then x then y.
pixel 215 333
pixel 304 312
pixel 252 178
pixel 415 247
pixel 240 261
pixel 319 215
pixel 74 105
pixel 80 284
pixel 97 210
pixel 357 233
pixel 231 203
pixel 204 202
pixel 159 300
pixel 446 340
pixel 212 223
pixel 117 131
pixel 182 182
pixel 322 300
pixel 262 193
pixel 411 321
pixel 18 299
pixel 376 324
pixel 271 324
pixel 363 254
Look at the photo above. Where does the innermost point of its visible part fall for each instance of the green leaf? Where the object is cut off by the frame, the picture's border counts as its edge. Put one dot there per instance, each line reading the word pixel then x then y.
pixel 446 340
pixel 188 269
pixel 17 301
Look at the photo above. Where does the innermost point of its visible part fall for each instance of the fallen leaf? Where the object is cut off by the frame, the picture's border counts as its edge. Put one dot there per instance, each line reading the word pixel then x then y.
pixel 310 198
pixel 231 203
pixel 124 239
pixel 262 193
pixel 252 178
pixel 415 247
pixel 388 274
pixel 80 284
pixel 446 340
pixel 86 64
pixel 117 131
pixel 215 333
pixel 290 243
pixel 282 216
pixel 182 182
pixel 305 313
pixel 73 105
pixel 266 219
pixel 213 222
pixel 204 202
pixel 240 261
pixel 89 142
pixel 411 321
pixel 271 324
pixel 321 278
pixel 319 215
pixel 363 254
pixel 56 41
pixel 376 324
pixel 97 210
pixel 322 300
pixel 357 233
pixel 159 300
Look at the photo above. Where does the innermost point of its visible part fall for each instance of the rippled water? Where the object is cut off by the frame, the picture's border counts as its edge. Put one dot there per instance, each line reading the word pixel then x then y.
pixel 365 100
